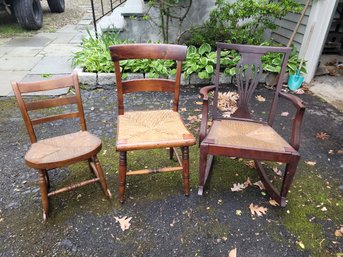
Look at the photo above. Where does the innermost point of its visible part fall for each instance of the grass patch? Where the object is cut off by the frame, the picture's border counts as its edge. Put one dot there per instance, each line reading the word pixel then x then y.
pixel 313 202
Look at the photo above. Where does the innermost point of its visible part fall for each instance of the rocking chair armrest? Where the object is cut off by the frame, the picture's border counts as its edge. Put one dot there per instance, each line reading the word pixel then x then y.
pixel 297 102
pixel 203 126
pixel 297 120
pixel 205 90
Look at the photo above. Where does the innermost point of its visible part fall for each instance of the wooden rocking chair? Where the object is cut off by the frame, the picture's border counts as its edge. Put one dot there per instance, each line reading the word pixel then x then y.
pixel 138 130
pixel 240 135
pixel 59 151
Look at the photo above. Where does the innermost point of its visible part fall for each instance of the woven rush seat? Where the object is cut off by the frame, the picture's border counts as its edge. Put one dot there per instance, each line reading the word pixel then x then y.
pixel 152 129
pixel 245 134
pixel 51 152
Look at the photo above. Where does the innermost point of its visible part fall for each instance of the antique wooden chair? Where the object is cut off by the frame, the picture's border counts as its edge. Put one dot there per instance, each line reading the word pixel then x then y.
pixel 55 152
pixel 241 135
pixel 137 130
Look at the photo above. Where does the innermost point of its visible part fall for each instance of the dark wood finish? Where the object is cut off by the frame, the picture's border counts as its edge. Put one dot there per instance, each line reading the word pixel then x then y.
pixel 51 153
pixel 220 140
pixel 165 123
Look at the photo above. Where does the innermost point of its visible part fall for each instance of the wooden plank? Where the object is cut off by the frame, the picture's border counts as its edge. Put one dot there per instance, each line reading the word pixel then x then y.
pixel 147 171
pixel 45 85
pixel 143 85
pixel 48 103
pixel 148 51
pixel 56 117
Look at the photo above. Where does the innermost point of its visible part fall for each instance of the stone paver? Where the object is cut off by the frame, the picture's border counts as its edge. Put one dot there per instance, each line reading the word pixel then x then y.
pixel 53 65
pixel 5 80
pixel 29 41
pixel 24 51
pixel 60 49
pixel 15 63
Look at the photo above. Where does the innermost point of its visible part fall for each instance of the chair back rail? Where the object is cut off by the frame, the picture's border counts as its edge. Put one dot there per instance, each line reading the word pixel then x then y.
pixel 21 88
pixel 248 73
pixel 147 51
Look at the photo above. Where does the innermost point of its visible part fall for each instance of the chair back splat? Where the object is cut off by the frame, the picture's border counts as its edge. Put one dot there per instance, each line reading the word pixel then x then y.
pixel 148 51
pixel 150 129
pixel 248 74
pixel 239 135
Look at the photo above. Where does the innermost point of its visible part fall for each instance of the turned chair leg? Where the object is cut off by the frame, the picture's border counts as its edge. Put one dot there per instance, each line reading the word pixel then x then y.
pixel 47 180
pixel 171 153
pixel 287 180
pixel 122 175
pixel 185 165
pixel 102 179
pixel 43 186
pixel 202 169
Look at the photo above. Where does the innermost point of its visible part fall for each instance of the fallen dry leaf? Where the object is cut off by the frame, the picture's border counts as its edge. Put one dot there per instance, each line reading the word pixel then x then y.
pixel 183 109
pixel 311 163
pixel 237 187
pixel 301 244
pixel 194 118
pixel 260 98
pixel 260 185
pixel 340 151
pixel 273 202
pixel 257 210
pixel 198 103
pixel 250 164
pixel 233 253
pixel 247 183
pixel 284 114
pixel 299 91
pixel 124 222
pixel 227 103
pixel 339 232
pixel 322 136
pixel 277 171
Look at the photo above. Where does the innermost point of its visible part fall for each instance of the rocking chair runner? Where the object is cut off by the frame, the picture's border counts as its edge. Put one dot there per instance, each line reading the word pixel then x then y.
pixel 59 151
pixel 240 135
pixel 138 130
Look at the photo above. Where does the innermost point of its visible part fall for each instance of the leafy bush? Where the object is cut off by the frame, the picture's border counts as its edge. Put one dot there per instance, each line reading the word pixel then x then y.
pixel 241 22
pixel 95 57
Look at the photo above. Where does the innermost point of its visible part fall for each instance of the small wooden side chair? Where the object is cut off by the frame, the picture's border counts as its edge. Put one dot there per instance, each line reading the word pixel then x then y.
pixel 241 135
pixel 138 130
pixel 59 151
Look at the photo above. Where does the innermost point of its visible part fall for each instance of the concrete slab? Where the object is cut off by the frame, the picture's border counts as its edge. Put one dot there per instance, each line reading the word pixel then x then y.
pixel 330 88
pixel 18 63
pixel 60 49
pixel 60 91
pixel 24 51
pixel 5 50
pixel 53 65
pixel 68 28
pixel 64 37
pixel 5 80
pixel 36 41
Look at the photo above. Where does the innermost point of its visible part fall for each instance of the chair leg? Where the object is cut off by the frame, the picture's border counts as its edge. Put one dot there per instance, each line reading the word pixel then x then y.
pixel 287 180
pixel 44 193
pixel 122 175
pixel 102 179
pixel 202 169
pixel 171 153
pixel 185 165
pixel 47 180
pixel 90 160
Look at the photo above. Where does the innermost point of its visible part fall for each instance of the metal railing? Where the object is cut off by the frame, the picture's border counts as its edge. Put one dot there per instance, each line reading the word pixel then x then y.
pixel 101 8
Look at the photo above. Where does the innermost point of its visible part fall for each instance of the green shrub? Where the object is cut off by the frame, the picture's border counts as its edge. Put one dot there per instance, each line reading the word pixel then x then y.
pixel 95 57
pixel 241 22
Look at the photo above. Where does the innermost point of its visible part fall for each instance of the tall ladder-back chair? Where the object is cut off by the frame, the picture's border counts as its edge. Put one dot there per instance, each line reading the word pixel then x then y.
pixel 241 135
pixel 56 152
pixel 149 129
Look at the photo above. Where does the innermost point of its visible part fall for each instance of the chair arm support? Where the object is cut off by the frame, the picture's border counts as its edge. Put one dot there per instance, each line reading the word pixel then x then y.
pixel 297 120
pixel 203 126
pixel 205 90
